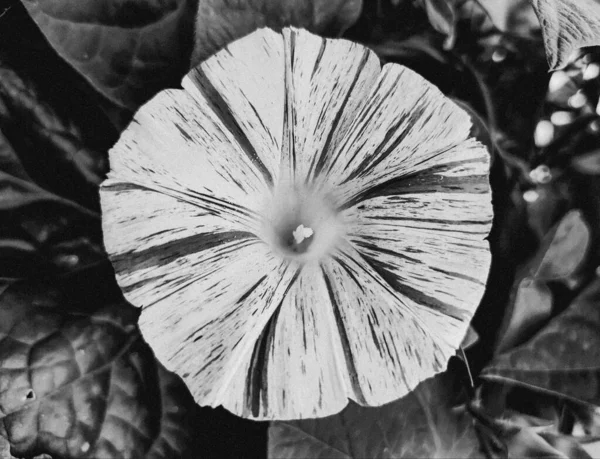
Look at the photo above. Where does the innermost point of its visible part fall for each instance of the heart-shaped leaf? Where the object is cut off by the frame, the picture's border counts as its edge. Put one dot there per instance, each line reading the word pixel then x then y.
pixel 562 359
pixel 127 49
pixel 422 424
pixel 220 22
pixel 77 379
pixel 566 26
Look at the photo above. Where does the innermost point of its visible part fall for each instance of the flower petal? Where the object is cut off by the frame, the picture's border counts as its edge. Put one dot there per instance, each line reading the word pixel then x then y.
pixel 326 80
pixel 389 346
pixel 139 222
pixel 296 368
pixel 405 125
pixel 177 146
pixel 245 84
pixel 203 313
pixel 340 332
pixel 427 237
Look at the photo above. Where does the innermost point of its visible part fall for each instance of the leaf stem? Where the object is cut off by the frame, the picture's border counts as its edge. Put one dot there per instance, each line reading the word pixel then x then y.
pixel 510 160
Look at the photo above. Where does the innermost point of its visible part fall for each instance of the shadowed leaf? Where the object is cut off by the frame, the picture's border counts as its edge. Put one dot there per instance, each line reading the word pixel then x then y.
pixel 532 305
pixel 442 15
pixel 527 442
pixel 51 148
pixel 563 359
pixel 422 424
pixel 77 379
pixel 514 16
pixel 128 50
pixel 40 231
pixel 566 252
pixel 566 26
pixel 559 257
pixel 220 22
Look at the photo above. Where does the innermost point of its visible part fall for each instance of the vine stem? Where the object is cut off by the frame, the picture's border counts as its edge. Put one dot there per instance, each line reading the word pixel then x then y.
pixel 511 160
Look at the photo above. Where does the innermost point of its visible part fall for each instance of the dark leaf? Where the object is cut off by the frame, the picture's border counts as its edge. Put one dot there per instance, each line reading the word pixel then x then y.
pixel 77 379
pixel 531 306
pixel 563 359
pixel 52 149
pixel 49 201
pixel 559 257
pixel 41 231
pixel 566 26
pixel 422 424
pixel 513 16
pixel 570 241
pixel 566 444
pixel 527 442
pixel 551 202
pixel 442 15
pixel 220 22
pixel 127 49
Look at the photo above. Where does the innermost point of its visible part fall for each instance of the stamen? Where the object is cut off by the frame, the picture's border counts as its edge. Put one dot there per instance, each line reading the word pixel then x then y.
pixel 301 233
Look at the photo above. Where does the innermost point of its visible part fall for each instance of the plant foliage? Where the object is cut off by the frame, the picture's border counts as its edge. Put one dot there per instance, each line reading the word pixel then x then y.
pixel 76 378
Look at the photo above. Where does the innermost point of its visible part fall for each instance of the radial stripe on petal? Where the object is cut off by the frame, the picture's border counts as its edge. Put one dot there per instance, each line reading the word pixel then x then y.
pixel 203 321
pixel 326 80
pixel 176 145
pixel 296 368
pixel 157 222
pixel 430 246
pixel 245 84
pixel 388 348
pixel 405 125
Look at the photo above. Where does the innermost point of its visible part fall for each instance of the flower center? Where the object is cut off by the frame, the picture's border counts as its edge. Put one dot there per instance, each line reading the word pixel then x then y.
pixel 301 225
pixel 301 239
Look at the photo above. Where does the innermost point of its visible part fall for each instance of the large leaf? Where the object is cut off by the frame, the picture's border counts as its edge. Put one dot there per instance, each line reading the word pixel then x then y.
pixel 566 26
pixel 220 22
pixel 422 424
pixel 41 232
pixel 561 255
pixel 45 189
pixel 127 49
pixel 51 146
pixel 77 379
pixel 562 359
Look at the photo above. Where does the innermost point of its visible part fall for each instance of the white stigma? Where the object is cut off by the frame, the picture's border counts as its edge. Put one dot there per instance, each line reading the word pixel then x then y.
pixel 301 233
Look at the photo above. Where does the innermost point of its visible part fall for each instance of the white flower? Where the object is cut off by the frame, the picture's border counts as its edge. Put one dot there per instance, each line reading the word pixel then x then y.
pixel 299 226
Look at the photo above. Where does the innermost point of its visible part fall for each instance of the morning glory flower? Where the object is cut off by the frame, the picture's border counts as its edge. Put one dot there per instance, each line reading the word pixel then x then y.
pixel 300 226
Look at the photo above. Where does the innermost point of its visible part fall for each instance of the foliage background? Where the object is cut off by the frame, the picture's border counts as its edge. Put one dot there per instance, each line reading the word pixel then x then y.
pixel 76 378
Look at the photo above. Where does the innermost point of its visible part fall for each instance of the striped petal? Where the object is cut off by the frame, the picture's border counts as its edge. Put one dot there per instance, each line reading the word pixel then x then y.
pixel 245 83
pixel 426 236
pixel 389 346
pixel 326 81
pixel 340 332
pixel 278 133
pixel 405 125
pixel 203 314
pixel 296 368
